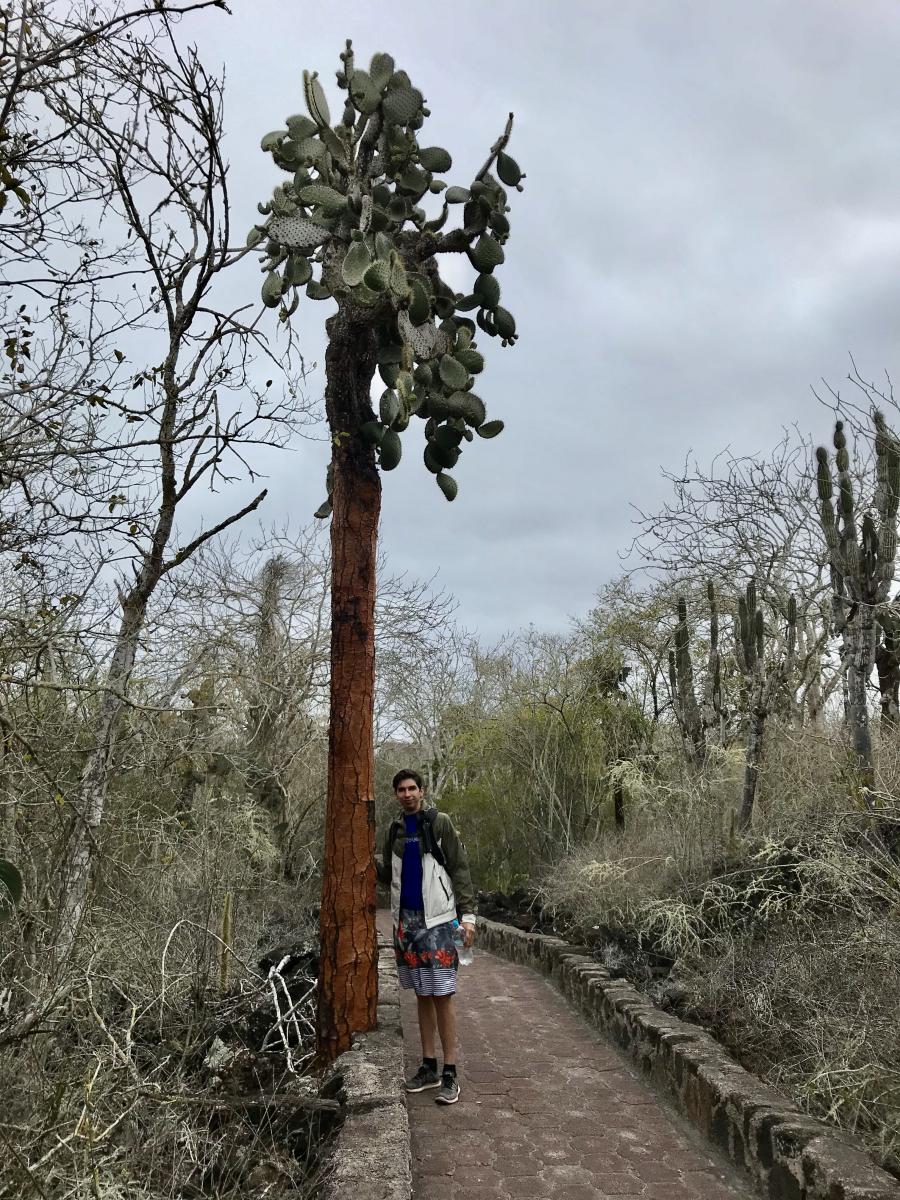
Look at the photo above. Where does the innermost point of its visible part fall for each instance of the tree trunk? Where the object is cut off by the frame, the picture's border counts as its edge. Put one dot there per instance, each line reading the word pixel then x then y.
pixel 348 955
pixel 751 763
pixel 75 870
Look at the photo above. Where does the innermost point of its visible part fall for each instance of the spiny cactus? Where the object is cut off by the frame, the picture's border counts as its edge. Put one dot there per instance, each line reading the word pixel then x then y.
pixel 695 719
pixel 349 225
pixel 11 888
pixel 862 548
pixel 766 664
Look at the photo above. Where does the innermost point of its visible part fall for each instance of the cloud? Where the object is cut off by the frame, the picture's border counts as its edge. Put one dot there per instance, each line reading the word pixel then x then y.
pixel 711 222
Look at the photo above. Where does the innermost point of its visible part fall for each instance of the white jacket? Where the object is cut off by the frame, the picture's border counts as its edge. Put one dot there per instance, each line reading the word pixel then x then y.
pixel 437 891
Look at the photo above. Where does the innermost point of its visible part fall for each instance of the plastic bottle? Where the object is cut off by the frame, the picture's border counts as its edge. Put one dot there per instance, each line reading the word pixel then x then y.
pixel 465 953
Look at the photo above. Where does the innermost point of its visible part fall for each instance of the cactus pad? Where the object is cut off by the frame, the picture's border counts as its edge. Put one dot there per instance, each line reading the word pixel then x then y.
pixel 448 485
pixel 486 254
pixel 390 450
pixel 435 158
pixel 296 233
pixel 315 99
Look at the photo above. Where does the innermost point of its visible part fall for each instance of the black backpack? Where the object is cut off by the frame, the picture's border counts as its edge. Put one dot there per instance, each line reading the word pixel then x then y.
pixel 426 832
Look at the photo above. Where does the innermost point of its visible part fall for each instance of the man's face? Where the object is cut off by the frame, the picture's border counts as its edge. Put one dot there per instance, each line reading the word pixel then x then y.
pixel 409 795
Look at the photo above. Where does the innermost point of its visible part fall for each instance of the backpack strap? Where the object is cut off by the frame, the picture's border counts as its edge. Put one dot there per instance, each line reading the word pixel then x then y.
pixel 429 840
pixel 426 832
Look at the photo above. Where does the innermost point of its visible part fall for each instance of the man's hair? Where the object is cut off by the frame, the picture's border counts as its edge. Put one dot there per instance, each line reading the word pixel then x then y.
pixel 407 774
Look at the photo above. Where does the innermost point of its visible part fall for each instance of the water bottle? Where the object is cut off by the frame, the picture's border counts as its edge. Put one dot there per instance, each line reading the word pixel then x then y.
pixel 466 954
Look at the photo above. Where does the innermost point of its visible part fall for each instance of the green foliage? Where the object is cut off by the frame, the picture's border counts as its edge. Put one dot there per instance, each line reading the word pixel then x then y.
pixel 348 225
pixel 535 754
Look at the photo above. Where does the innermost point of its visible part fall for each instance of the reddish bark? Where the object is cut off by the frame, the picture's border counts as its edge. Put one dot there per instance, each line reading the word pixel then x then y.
pixel 348 950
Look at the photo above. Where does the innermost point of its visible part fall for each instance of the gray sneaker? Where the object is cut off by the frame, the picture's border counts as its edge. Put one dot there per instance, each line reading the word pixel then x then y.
pixel 423 1079
pixel 449 1093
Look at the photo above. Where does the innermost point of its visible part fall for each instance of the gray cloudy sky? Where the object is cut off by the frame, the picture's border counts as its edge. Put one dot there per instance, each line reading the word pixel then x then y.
pixel 711 223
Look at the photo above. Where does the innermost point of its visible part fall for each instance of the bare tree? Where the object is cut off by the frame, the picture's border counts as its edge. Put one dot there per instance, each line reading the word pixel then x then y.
pixel 187 416
pixel 752 516
pixel 57 310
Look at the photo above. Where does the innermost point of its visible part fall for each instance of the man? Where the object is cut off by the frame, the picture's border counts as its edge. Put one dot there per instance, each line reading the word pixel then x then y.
pixel 425 864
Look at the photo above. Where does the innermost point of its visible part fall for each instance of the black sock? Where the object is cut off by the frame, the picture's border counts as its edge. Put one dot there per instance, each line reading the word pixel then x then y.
pixel 430 1063
pixel 450 1069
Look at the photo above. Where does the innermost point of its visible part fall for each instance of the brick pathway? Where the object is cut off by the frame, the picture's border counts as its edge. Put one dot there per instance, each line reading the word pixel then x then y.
pixel 548 1108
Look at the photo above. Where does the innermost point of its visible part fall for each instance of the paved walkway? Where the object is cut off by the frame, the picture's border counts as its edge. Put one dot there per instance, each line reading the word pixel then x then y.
pixel 548 1108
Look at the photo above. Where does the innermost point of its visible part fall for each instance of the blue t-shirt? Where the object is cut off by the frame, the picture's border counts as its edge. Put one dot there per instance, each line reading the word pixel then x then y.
pixel 411 871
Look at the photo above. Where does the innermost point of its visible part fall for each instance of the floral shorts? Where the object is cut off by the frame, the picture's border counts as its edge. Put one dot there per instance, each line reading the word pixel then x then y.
pixel 426 958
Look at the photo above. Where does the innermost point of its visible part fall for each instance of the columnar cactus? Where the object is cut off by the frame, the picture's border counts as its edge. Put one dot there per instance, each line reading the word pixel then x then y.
pixel 766 665
pixel 349 225
pixel 696 718
pixel 862 548
pixel 681 684
pixel 715 714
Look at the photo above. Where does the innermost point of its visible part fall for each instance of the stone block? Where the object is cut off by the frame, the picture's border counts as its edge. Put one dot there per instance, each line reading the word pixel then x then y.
pixel 371 1157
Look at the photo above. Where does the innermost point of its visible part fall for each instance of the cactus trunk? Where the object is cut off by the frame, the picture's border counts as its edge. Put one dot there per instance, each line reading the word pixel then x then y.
pixel 684 700
pixel 755 734
pixel 862 656
pixel 887 663
pixel 348 955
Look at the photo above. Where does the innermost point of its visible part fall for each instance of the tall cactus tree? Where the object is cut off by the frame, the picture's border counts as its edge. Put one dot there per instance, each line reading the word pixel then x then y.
pixel 766 666
pixel 862 549
pixel 348 225
pixel 695 718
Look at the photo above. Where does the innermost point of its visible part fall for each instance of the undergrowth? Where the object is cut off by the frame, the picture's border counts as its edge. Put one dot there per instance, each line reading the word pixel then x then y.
pixel 172 1055
pixel 784 942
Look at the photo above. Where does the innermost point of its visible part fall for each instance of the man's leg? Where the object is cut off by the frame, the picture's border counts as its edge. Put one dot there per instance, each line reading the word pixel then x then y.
pixel 427 1075
pixel 446 1021
pixel 445 1011
pixel 427 1025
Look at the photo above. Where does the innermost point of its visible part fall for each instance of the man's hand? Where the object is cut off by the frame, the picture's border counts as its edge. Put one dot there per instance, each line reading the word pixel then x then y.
pixel 468 933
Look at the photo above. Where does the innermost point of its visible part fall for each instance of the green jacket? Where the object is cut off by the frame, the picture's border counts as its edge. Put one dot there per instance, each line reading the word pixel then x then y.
pixel 444 889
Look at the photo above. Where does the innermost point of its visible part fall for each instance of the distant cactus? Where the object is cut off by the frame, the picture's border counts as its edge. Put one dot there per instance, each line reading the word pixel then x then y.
pixel 11 888
pixel 695 718
pixel 862 548
pixel 766 664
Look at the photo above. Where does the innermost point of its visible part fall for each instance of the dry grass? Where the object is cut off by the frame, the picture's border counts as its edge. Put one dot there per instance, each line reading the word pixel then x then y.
pixel 138 1075
pixel 788 939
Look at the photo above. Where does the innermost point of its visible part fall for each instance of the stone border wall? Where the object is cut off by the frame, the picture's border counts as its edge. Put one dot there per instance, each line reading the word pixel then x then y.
pixel 370 1159
pixel 788 1154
